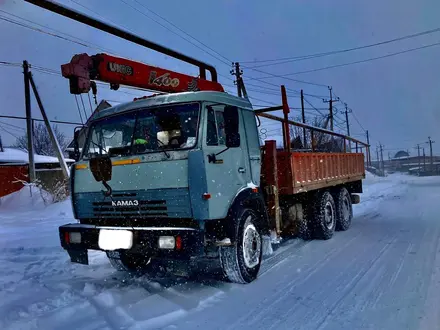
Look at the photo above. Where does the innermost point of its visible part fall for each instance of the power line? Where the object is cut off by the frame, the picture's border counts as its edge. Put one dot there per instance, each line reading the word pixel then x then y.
pixel 174 32
pixel 356 62
pixel 309 103
pixel 79 110
pixel 225 61
pixel 355 118
pixel 316 96
pixel 13 126
pixel 10 64
pixel 42 31
pixel 184 32
pixel 94 46
pixel 271 75
pixel 353 114
pixel 268 102
pixel 268 92
pixel 84 108
pixel 83 42
pixel 90 103
pixel 36 119
pixel 306 57
pixel 5 130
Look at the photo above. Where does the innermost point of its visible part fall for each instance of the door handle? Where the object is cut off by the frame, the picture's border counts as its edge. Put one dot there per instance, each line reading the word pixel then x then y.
pixel 241 170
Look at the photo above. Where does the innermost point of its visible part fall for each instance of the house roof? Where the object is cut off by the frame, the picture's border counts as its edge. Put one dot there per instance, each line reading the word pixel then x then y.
pixel 401 154
pixel 11 155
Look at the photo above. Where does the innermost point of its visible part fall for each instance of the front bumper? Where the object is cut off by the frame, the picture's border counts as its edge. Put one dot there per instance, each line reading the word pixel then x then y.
pixel 145 241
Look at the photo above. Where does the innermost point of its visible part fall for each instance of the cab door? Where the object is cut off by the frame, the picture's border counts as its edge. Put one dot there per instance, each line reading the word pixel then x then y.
pixel 227 170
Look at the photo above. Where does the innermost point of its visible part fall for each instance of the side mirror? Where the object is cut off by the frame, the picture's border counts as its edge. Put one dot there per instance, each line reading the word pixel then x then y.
pixel 101 168
pixel 231 127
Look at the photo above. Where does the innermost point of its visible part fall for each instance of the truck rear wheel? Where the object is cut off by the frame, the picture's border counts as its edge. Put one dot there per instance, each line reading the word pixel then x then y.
pixel 344 209
pixel 129 262
pixel 305 225
pixel 324 216
pixel 241 262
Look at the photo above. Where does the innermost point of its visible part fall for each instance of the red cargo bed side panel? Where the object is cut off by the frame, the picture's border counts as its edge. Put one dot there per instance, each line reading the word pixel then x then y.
pixel 299 171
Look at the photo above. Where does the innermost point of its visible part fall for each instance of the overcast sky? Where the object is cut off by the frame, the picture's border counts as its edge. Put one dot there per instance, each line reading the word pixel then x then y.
pixel 396 98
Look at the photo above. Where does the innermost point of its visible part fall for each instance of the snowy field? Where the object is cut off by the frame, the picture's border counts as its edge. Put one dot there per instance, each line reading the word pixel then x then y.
pixel 383 273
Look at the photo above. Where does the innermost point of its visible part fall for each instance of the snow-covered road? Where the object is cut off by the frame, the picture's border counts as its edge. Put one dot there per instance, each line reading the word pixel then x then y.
pixel 383 273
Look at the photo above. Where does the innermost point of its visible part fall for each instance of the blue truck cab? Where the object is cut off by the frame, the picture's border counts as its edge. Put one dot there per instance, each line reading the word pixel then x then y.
pixel 184 186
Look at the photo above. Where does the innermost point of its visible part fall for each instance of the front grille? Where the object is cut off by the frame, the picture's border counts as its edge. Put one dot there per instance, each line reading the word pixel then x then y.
pixel 148 204
pixel 144 209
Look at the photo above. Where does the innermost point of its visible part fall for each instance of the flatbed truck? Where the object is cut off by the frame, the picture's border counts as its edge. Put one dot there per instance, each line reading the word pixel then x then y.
pixel 182 176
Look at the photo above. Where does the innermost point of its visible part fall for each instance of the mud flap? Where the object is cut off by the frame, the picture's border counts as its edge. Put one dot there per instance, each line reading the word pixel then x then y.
pixel 79 256
pixel 267 246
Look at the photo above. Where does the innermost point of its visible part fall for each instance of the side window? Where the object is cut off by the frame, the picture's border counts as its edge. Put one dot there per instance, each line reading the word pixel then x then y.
pixel 216 126
pixel 251 132
pixel 211 135
pixel 220 127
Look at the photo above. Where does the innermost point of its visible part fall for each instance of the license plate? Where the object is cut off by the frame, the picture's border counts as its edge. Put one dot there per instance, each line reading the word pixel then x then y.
pixel 115 239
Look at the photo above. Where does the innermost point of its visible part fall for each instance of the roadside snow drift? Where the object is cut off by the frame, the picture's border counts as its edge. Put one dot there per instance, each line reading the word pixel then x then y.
pixel 383 273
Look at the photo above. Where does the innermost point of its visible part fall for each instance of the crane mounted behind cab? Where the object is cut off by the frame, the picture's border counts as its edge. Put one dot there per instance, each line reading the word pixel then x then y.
pixel 84 69
pixel 186 178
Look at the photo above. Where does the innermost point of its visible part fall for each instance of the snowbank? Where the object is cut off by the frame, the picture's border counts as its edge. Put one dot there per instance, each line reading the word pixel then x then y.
pixel 11 155
pixel 41 289
pixel 30 202
pixel 376 189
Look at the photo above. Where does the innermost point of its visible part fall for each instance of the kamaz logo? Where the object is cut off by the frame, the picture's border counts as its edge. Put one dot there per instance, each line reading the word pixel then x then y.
pixel 125 203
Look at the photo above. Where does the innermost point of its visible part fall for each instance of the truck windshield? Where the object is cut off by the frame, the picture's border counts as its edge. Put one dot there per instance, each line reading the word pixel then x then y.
pixel 144 131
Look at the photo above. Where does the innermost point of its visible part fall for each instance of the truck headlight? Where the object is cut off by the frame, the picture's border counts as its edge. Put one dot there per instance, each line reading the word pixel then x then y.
pixel 167 242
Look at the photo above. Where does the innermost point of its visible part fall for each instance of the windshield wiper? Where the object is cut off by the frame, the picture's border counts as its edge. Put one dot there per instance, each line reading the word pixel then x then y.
pixel 99 146
pixel 155 137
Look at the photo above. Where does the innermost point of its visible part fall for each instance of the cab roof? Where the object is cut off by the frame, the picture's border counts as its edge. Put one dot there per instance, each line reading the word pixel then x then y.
pixel 158 100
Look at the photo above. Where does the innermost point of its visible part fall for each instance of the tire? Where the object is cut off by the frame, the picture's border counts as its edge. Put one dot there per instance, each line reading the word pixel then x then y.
pixel 324 216
pixel 305 228
pixel 127 262
pixel 344 209
pixel 241 262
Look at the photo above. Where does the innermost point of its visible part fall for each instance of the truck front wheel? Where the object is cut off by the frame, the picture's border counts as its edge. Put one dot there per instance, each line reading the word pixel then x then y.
pixel 324 216
pixel 241 262
pixel 344 209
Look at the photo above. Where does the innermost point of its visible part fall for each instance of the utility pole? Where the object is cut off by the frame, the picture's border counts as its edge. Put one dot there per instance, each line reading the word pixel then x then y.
pixel 303 113
pixel 369 152
pixel 381 159
pixel 424 160
pixel 237 72
pixel 29 127
pixel 330 107
pixel 418 157
pixel 348 125
pixel 52 136
pixel 431 156
pixel 377 157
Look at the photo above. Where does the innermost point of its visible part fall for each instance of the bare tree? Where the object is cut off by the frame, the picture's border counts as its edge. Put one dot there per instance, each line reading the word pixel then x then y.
pixel 322 141
pixel 42 142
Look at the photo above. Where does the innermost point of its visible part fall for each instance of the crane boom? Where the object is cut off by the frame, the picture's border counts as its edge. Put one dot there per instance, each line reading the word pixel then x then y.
pixel 83 69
